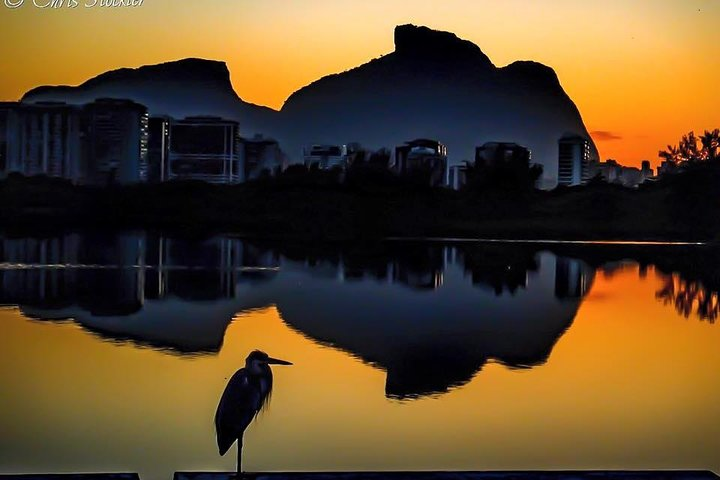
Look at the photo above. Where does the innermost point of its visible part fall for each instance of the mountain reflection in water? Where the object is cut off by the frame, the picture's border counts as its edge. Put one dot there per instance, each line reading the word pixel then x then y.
pixel 430 315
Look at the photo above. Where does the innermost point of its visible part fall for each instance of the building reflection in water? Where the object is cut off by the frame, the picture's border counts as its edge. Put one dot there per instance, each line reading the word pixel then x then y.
pixel 116 274
pixel 440 313
pixel 572 280
pixel 431 316
pixel 419 266
pixel 167 293
pixel 499 269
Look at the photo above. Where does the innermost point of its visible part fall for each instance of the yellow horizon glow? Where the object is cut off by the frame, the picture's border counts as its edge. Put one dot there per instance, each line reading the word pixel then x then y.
pixel 645 71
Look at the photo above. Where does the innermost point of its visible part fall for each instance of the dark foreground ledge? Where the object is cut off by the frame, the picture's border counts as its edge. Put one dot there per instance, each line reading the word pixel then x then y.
pixel 74 476
pixel 525 475
pixel 528 475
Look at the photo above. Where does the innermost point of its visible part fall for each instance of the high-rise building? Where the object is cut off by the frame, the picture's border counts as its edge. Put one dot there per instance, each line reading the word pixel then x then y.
pixel 263 156
pixel 41 139
pixel 610 170
pixel 423 157
pixel 668 167
pixel 8 135
pixel 496 153
pixel 647 171
pixel 326 157
pixel 116 144
pixel 100 143
pixel 457 176
pixel 158 148
pixel 573 160
pixel 207 149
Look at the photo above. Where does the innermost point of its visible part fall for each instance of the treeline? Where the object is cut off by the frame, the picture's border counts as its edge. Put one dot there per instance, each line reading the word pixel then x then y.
pixel 693 150
pixel 369 200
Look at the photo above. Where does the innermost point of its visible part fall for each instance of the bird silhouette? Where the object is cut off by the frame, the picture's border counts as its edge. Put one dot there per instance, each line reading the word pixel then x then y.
pixel 245 395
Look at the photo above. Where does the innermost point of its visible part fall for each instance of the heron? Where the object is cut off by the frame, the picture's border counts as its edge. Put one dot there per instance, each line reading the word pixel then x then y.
pixel 245 395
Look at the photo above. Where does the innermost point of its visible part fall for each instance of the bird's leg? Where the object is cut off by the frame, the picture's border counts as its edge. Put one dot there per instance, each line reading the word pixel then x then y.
pixel 240 475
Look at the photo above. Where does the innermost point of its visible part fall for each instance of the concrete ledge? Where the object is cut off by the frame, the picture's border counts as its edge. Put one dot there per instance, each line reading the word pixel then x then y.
pixel 529 475
pixel 73 476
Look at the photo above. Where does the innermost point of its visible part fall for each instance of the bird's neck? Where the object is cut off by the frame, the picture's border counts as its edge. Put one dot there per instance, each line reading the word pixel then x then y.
pixel 256 370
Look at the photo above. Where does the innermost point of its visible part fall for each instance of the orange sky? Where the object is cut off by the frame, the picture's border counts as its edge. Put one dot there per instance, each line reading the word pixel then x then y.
pixel 643 72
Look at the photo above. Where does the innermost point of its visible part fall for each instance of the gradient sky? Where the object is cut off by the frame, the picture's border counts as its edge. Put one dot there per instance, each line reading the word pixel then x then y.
pixel 642 72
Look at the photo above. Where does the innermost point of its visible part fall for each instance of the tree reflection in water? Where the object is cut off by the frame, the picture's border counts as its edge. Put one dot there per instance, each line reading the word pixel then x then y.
pixel 690 298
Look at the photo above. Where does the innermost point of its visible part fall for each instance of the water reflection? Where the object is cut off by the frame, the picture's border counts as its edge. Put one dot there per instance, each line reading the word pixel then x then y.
pixel 165 293
pixel 430 315
pixel 500 268
pixel 456 315
pixel 626 380
pixel 690 298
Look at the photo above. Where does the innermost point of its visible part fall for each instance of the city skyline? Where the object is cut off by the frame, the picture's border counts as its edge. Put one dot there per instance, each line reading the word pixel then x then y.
pixel 621 69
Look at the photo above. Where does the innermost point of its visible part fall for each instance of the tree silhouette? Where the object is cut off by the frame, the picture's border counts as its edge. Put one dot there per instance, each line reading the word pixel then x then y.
pixel 689 152
pixel 671 155
pixel 710 142
pixel 688 148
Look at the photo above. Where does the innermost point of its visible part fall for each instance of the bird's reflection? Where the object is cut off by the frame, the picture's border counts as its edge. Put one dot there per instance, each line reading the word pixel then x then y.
pixel 245 395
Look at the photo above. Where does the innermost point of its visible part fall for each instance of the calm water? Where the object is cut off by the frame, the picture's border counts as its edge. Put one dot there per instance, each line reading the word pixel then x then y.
pixel 114 350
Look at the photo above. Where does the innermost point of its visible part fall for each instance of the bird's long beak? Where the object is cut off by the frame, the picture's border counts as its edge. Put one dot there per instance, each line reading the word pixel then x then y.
pixel 277 361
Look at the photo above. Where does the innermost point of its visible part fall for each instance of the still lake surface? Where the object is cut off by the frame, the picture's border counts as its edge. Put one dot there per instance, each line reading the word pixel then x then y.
pixel 114 350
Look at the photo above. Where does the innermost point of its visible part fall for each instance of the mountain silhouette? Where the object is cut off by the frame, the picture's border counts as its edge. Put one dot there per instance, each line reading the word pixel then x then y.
pixel 429 315
pixel 432 85
pixel 171 325
pixel 430 342
pixel 180 89
pixel 435 85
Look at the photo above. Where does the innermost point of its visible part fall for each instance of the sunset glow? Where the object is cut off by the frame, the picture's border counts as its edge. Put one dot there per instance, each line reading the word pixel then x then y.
pixel 641 73
pixel 660 364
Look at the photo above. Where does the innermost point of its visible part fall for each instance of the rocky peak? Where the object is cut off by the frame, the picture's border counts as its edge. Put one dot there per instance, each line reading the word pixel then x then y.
pixel 190 71
pixel 420 42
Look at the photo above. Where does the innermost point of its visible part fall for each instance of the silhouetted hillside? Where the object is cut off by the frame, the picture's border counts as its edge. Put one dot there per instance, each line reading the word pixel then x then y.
pixel 433 85
pixel 182 88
